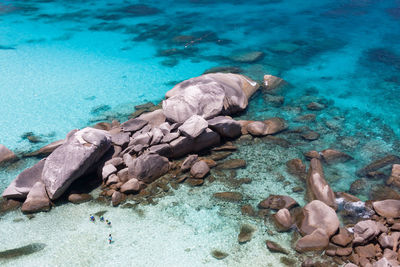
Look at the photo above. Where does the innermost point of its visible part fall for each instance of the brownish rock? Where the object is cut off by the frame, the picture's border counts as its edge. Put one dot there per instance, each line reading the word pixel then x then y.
pixel 343 238
pixel 37 199
pixel 248 210
pixel 6 155
pixel 246 233
pixel 296 167
pixel 312 154
pixel 394 178
pixel 211 163
pixel 367 251
pixel 315 106
pixel 310 135
pixel 117 198
pixel 316 241
pixel 194 182
pixel 271 83
pixel 344 251
pixel 317 186
pixel 199 169
pixel 132 186
pixel 297 189
pixel 283 220
pixel 275 247
pixel 333 156
pixel 277 202
pixel 305 118
pixel 270 126
pixel 381 192
pixel 229 196
pixel 46 150
pixel 389 208
pixel 79 198
pixel 232 164
pixel 220 155
pixel 378 164
pixel 219 255
pixel 358 186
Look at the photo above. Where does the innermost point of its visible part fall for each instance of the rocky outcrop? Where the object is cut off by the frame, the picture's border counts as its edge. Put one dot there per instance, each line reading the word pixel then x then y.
pixel 318 215
pixel 71 160
pixel 6 155
pixel 296 167
pixel 267 127
pixel 225 127
pixel 389 208
pixel 208 96
pixel 317 186
pixel 20 186
pixel 132 186
pixel 37 199
pixel 133 125
pixel 333 156
pixel 148 167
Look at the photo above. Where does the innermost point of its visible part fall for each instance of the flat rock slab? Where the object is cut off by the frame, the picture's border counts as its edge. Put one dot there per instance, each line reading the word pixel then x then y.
pixel 71 160
pixel 133 125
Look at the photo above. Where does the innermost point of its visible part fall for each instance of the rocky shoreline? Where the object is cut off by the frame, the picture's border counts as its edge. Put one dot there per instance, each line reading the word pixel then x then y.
pixel 186 138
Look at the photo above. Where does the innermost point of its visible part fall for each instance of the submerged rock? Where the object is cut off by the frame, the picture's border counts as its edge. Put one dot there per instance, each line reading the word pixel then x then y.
pixel 334 156
pixel 232 164
pixel 296 167
pixel 378 164
pixel 317 187
pixel 275 247
pixel 277 202
pixel 6 155
pixel 246 233
pixel 394 178
pixel 37 199
pixel 246 56
pixel 71 160
pixel 219 255
pixel 188 162
pixel 272 83
pixel 20 186
pixel 21 251
pixel 229 196
pixel 132 186
pixel 208 96
pixel 133 125
pixel 79 198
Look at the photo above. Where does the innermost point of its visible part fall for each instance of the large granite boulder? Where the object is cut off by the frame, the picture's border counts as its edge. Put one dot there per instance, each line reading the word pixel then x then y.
pixel 270 126
pixel 148 167
pixel 317 187
pixel 225 126
pixel 318 215
pixel 389 208
pixel 71 160
pixel 315 241
pixel 37 199
pixel 6 154
pixel 194 126
pixel 208 96
pixel 20 186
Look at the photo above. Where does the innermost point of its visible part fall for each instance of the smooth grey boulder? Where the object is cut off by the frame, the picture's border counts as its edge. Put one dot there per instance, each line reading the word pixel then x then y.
pixel 157 136
pixel 194 126
pixel 6 154
pixel 161 149
pixel 208 96
pixel 133 125
pixel 120 139
pixel 117 162
pixel 143 139
pixel 37 199
pixel 46 150
pixel 155 118
pixel 170 137
pixel 188 162
pixel 165 128
pixel 199 169
pixel 148 167
pixel 108 170
pixel 71 160
pixel 225 126
pixel 20 186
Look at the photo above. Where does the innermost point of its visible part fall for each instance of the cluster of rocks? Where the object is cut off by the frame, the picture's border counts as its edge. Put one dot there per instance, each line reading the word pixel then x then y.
pixel 130 156
pixel 373 241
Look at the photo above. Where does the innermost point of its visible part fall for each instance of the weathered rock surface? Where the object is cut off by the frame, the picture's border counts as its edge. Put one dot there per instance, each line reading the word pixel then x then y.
pixel 315 241
pixel 199 170
pixel 188 162
pixel 117 198
pixel 108 170
pixel 208 96
pixel 365 231
pixel 270 126
pixel 155 118
pixel 319 215
pixel 272 82
pixel 225 126
pixel 275 247
pixel 133 125
pixel 194 126
pixel 132 186
pixel 229 196
pixel 20 186
pixel 246 233
pixel 389 208
pixel 71 160
pixel 394 178
pixel 378 164
pixel 317 187
pixel 343 238
pixel 37 199
pixel 277 202
pixel 283 220
pixel 148 167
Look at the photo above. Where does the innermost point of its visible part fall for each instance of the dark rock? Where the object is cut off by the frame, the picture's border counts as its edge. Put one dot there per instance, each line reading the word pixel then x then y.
pixel 317 187
pixel 194 182
pixel 275 247
pixel 247 210
pixel 246 56
pixel 310 136
pixel 312 154
pixel 71 160
pixel 113 179
pixel 20 186
pixel 358 186
pixel 246 233
pixel 274 100
pixel 108 170
pixel 333 156
pixel 21 251
pixel 367 251
pixel 133 125
pixel 161 149
pixel 148 167
pixel 37 199
pixel 219 255
pixel 394 178
pixel 381 192
pixel 315 106
pixel 297 167
pixel 224 69
pixel 229 196
pixel 79 198
pixel 277 202
pixel 9 205
pixel 199 169
pixel 379 164
pixel 225 126
pixel 232 164
pixel 305 118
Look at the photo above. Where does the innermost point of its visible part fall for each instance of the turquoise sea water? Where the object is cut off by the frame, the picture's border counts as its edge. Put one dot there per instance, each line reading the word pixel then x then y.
pixel 69 64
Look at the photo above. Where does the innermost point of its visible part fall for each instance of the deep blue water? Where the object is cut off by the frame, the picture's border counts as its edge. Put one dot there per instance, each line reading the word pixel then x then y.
pixel 69 64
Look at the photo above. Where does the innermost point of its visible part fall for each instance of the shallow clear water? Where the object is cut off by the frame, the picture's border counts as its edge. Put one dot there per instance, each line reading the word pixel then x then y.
pixel 69 64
